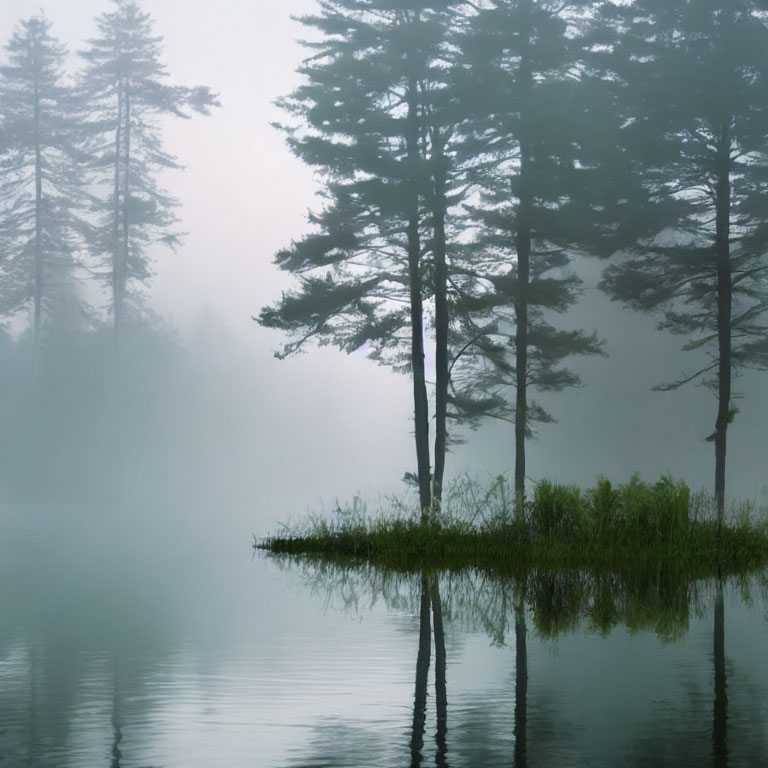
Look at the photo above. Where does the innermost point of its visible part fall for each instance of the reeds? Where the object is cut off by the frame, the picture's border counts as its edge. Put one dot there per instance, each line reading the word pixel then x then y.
pixel 607 526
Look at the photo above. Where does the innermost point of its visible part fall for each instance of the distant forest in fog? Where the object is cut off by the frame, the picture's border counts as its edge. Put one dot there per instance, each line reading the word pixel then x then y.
pixel 475 161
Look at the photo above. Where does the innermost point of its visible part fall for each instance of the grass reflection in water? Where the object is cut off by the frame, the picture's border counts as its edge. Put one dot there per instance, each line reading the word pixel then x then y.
pixel 550 604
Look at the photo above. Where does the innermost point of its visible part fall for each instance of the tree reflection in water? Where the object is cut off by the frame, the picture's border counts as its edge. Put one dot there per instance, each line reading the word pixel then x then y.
pixel 557 603
pixel 720 726
pixel 117 727
pixel 521 686
pixel 431 610
pixel 697 720
pixel 441 691
pixel 422 673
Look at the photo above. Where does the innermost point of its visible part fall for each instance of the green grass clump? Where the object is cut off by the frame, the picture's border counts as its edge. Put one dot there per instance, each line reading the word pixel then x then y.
pixel 559 526
pixel 636 515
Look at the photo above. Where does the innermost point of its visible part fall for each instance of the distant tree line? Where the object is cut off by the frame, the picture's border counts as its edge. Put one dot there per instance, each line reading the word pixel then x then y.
pixel 79 156
pixel 472 152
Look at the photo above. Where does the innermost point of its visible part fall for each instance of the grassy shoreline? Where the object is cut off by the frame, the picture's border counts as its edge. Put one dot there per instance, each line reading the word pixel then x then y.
pixel 637 524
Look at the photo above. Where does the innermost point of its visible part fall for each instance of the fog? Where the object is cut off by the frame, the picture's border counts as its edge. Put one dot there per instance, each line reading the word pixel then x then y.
pixel 279 444
pixel 144 444
pixel 206 414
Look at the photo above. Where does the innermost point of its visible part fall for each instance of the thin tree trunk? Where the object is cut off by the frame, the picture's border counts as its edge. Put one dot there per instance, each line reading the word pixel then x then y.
pixel 420 402
pixel 724 303
pixel 116 304
pixel 521 686
pixel 523 248
pixel 126 205
pixel 422 672
pixel 38 300
pixel 441 318
pixel 521 352
pixel 441 688
pixel 720 724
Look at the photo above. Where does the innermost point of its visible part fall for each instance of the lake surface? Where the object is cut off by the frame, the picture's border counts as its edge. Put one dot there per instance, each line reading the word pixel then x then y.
pixel 144 647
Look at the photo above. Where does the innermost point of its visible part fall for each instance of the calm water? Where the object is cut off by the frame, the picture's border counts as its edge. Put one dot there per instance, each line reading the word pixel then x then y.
pixel 189 652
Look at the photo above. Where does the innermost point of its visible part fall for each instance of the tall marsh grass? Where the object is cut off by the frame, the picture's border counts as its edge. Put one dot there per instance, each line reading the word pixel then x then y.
pixel 624 525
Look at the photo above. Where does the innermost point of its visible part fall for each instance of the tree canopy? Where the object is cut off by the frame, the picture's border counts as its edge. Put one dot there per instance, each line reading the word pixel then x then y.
pixel 693 96
pixel 124 83
pixel 42 187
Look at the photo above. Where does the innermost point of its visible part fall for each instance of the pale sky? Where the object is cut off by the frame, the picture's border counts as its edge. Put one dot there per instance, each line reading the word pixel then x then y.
pixel 243 194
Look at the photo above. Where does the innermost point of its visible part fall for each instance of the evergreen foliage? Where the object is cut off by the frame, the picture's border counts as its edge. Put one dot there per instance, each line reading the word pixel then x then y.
pixel 125 85
pixel 692 93
pixel 364 125
pixel 401 135
pixel 42 190
pixel 519 153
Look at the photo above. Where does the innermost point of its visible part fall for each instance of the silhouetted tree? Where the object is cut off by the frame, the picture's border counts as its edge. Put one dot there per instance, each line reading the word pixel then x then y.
pixel 364 272
pixel 125 85
pixel 692 92
pixel 42 199
pixel 531 212
pixel 441 112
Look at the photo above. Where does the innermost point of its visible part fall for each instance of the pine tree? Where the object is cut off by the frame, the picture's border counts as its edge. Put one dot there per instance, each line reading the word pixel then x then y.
pixel 364 272
pixel 42 198
pixel 692 92
pixel 124 82
pixel 530 211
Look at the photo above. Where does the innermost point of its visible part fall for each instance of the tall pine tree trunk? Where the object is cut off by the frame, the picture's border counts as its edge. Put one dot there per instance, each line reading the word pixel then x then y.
pixel 38 300
pixel 523 243
pixel 126 205
pixel 523 248
pixel 420 402
pixel 441 318
pixel 116 303
pixel 724 304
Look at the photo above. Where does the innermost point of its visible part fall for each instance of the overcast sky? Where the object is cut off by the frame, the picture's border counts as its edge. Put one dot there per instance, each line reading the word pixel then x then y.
pixel 243 195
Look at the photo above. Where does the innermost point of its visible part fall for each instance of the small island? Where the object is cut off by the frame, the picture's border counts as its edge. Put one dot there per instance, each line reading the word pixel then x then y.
pixel 636 525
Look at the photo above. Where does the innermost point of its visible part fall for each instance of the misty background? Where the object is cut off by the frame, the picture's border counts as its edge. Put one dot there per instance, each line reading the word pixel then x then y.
pixel 212 421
